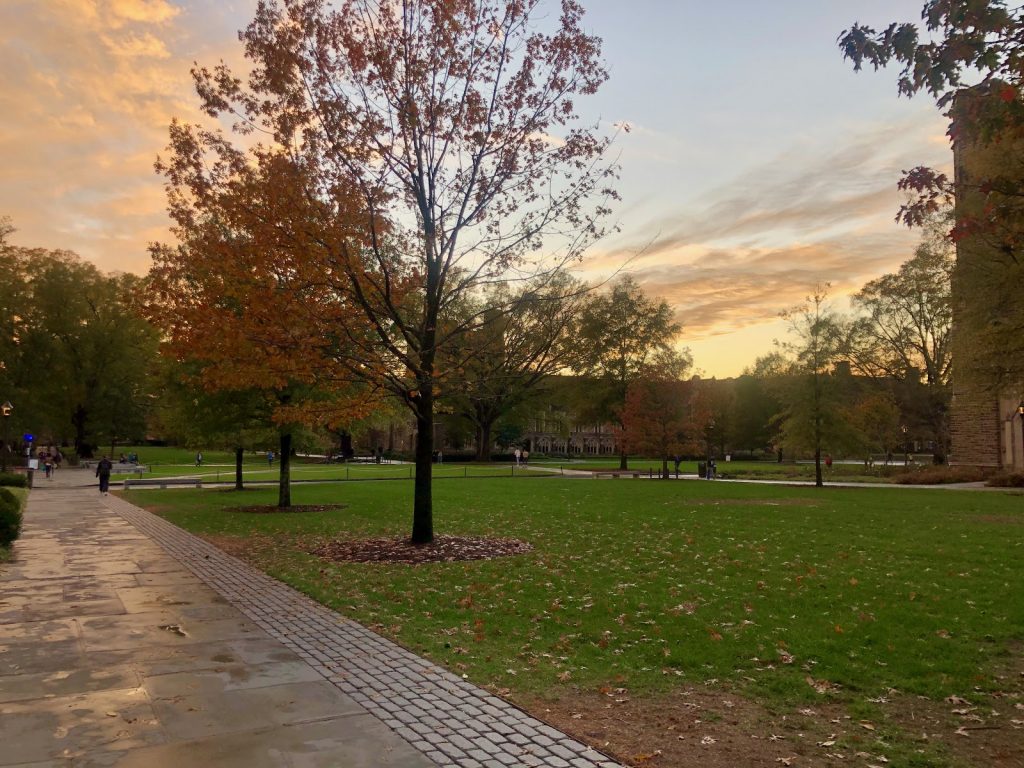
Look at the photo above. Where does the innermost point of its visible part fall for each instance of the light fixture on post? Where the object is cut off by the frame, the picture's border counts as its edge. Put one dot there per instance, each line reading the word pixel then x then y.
pixel 5 411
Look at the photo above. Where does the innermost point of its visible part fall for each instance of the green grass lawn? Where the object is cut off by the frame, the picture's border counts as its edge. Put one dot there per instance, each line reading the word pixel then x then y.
pixel 166 461
pixel 316 471
pixel 219 466
pixel 647 586
pixel 748 470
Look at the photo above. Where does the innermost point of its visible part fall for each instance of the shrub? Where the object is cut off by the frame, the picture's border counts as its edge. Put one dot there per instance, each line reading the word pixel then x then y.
pixel 1007 480
pixel 13 480
pixel 941 475
pixel 10 517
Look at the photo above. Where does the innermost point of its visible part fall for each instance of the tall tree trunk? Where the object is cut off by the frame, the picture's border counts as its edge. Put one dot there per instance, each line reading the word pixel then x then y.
pixel 623 460
pixel 818 481
pixel 239 455
pixel 83 449
pixel 483 450
pixel 423 505
pixel 664 467
pixel 284 487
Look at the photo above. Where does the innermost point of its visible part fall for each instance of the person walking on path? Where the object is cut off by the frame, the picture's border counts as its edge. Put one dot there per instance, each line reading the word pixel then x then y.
pixel 518 454
pixel 103 473
pixel 199 459
pixel 270 458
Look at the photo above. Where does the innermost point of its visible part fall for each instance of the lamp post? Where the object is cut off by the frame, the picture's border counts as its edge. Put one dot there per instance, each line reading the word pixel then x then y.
pixel 906 453
pixel 1020 412
pixel 5 412
pixel 710 438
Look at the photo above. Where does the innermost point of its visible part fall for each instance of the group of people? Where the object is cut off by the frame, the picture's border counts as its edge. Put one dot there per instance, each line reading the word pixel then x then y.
pixel 50 459
pixel 522 456
pixel 131 458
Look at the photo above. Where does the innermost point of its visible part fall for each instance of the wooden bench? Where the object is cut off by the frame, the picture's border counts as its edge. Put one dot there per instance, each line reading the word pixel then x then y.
pixel 162 482
pixel 634 473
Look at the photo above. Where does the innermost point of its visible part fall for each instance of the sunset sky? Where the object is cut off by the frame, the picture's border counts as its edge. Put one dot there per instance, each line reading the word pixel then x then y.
pixel 758 163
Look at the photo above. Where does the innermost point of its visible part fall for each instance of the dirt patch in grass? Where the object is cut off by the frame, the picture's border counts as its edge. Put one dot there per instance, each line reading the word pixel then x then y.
pixel 989 734
pixel 696 726
pixel 718 729
pixel 266 509
pixel 1000 519
pixel 444 549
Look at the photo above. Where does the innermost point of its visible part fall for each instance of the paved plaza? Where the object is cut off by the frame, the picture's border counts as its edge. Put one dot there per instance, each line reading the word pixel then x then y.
pixel 125 641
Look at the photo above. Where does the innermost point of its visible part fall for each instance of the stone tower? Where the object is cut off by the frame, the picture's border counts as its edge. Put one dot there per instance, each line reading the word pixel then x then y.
pixel 985 426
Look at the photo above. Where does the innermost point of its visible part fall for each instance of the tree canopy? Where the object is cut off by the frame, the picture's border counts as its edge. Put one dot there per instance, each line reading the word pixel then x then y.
pixel 624 336
pixel 430 149
pixel 75 357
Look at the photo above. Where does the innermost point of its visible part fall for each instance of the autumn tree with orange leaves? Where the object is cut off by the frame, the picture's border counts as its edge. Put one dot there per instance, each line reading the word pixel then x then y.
pixel 435 148
pixel 662 417
pixel 238 298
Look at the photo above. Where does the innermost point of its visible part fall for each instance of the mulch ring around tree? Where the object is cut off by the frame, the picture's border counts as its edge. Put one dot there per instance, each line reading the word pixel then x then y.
pixel 444 549
pixel 265 509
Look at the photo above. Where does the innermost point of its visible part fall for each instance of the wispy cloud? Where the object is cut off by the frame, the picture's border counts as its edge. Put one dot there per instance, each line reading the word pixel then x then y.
pixel 757 244
pixel 90 87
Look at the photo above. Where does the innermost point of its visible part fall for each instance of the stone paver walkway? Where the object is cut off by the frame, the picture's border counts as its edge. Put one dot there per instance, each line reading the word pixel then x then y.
pixel 125 640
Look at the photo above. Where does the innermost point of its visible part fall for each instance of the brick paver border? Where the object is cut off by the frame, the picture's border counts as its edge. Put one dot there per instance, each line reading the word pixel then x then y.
pixel 453 722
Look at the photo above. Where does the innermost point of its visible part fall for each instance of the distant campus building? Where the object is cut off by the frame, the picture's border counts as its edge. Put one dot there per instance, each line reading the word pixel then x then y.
pixel 985 426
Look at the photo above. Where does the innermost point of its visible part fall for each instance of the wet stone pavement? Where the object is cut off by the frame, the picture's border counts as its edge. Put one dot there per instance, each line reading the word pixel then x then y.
pixel 125 641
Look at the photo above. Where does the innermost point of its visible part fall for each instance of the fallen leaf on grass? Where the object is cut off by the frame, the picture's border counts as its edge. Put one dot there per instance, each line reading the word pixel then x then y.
pixel 642 758
pixel 398 550
pixel 821 686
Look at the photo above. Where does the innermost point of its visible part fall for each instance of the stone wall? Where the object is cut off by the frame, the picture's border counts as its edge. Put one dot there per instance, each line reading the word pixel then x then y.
pixel 984 426
pixel 974 429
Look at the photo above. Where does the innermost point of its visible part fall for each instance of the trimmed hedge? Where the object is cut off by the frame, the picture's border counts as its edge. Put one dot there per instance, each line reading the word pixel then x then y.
pixel 941 475
pixel 13 480
pixel 1007 480
pixel 10 517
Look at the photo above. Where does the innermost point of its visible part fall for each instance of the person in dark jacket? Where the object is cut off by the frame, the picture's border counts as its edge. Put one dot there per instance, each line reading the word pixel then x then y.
pixel 103 473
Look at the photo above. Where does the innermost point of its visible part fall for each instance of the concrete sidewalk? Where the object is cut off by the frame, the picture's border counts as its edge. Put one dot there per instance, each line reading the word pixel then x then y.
pixel 126 641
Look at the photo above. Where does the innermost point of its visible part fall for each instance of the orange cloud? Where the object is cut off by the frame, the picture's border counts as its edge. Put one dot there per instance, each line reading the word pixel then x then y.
pixel 90 88
pixel 758 244
pixel 145 11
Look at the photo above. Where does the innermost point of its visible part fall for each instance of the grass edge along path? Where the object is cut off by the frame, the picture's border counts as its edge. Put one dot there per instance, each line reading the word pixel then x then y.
pixel 797 598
